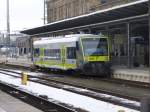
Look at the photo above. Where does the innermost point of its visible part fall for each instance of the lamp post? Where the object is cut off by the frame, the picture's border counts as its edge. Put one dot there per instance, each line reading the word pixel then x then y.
pixel 8 26
pixel 44 11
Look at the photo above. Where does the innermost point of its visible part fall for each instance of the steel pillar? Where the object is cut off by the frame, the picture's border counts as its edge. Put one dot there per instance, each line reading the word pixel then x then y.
pixel 129 44
pixel 149 33
pixel 31 48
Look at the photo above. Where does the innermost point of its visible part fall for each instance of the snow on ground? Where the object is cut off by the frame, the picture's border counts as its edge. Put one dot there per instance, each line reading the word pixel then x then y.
pixel 76 100
pixel 14 74
pixel 101 95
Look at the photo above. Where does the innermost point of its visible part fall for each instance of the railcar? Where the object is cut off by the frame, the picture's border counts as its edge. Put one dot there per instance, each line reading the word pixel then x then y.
pixel 85 53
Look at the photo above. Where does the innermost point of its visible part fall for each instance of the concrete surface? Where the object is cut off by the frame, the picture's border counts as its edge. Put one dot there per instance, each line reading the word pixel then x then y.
pixel 141 74
pixel 11 104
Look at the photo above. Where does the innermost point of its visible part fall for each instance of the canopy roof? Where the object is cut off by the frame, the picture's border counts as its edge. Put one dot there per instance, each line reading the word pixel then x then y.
pixel 128 10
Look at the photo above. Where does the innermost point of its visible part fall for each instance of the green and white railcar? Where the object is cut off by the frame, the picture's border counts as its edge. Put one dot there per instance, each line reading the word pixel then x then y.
pixel 82 52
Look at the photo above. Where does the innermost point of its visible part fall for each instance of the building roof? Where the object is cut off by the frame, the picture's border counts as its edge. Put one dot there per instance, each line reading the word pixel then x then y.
pixel 139 7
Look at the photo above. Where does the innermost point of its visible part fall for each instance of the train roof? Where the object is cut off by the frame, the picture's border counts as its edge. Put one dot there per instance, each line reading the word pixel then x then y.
pixel 67 38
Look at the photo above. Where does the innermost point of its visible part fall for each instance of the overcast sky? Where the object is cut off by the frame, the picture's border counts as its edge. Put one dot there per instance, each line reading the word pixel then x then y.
pixel 23 14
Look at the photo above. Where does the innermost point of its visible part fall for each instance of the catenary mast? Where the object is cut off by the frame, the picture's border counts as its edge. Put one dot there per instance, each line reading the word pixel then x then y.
pixel 8 25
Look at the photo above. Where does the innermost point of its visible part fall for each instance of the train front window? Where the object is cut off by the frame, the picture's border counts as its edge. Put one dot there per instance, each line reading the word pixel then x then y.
pixel 95 46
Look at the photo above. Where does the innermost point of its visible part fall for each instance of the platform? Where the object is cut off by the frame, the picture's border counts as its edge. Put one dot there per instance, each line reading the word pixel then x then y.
pixel 11 104
pixel 141 74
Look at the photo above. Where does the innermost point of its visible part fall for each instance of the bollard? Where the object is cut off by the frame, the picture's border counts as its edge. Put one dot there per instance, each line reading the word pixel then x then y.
pixel 145 104
pixel 24 78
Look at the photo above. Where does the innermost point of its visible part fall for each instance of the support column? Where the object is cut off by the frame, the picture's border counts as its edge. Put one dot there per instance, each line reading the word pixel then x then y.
pixel 149 33
pixel 31 48
pixel 23 50
pixel 129 44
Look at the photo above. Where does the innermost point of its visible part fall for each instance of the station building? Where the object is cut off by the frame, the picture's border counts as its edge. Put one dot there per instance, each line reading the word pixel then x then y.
pixel 63 9
pixel 125 22
pixel 23 44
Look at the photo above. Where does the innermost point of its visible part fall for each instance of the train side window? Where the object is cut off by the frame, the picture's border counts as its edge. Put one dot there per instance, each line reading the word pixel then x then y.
pixel 57 53
pixel 36 52
pixel 46 52
pixel 71 53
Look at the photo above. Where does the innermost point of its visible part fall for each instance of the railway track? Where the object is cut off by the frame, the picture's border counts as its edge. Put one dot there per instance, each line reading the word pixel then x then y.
pixel 129 83
pixel 110 80
pixel 99 94
pixel 36 101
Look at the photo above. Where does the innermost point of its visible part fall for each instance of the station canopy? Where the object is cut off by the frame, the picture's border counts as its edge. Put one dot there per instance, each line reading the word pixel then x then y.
pixel 133 9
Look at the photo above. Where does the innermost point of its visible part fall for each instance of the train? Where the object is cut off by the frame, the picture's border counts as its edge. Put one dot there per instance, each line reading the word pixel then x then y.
pixel 86 54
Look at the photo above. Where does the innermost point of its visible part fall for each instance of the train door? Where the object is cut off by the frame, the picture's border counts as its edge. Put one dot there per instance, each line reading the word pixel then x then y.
pixel 63 56
pixel 70 61
pixel 68 55
pixel 41 56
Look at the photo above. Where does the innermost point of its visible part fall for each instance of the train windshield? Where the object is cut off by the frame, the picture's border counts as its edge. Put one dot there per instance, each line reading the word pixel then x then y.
pixel 95 46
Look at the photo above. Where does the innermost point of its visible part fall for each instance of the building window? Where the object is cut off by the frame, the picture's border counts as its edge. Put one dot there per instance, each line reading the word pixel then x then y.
pixel 25 51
